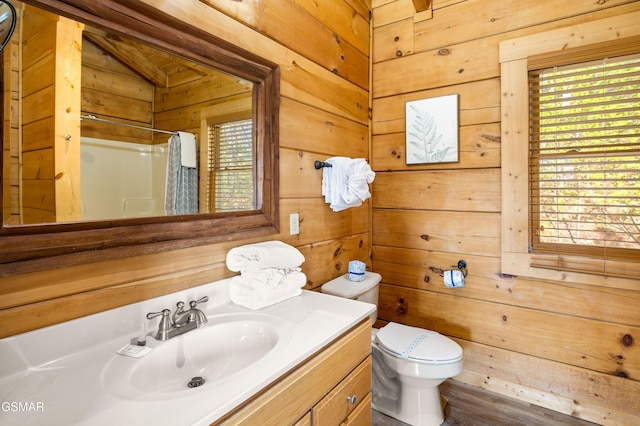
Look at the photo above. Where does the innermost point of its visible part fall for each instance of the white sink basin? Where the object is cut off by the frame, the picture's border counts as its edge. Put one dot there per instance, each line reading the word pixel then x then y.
pixel 224 346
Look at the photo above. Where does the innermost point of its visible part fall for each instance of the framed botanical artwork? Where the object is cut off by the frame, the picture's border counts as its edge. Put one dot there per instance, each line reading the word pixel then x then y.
pixel 432 130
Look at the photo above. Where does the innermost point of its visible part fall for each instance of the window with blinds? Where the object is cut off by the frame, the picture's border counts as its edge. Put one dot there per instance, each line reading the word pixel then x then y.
pixel 584 159
pixel 230 185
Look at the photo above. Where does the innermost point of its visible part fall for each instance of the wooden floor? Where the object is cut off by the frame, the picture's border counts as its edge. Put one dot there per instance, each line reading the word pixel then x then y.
pixel 471 406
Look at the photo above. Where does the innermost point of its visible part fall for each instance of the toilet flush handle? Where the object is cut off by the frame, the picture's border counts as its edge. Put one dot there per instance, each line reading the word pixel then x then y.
pixel 352 399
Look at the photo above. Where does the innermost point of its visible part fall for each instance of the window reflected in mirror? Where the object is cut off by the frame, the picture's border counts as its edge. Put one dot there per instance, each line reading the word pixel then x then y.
pixel 92 118
pixel 229 157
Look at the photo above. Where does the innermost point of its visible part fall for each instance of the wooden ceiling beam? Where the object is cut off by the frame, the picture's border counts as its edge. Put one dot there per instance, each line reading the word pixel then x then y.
pixel 131 57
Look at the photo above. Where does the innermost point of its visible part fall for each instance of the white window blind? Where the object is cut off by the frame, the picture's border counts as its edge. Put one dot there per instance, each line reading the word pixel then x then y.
pixel 231 166
pixel 584 161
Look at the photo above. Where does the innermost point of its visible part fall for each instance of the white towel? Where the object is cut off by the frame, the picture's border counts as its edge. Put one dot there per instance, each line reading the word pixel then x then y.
pixel 268 254
pixel 253 293
pixel 272 277
pixel 346 183
pixel 188 149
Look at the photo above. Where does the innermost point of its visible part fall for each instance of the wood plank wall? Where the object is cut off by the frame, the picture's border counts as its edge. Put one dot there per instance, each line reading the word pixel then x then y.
pixel 112 91
pixel 11 151
pixel 188 93
pixel 37 94
pixel 558 345
pixel 571 348
pixel 324 113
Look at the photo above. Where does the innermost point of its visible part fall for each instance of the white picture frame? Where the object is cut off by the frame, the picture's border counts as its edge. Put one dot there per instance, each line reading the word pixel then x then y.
pixel 432 130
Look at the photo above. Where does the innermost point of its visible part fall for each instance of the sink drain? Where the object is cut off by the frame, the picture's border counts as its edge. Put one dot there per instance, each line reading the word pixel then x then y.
pixel 195 382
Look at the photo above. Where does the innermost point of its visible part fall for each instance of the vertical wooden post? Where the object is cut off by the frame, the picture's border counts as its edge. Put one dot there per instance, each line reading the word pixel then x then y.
pixel 50 91
pixel 67 105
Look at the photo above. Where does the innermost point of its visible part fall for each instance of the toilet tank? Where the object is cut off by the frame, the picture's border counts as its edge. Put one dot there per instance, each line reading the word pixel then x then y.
pixel 365 291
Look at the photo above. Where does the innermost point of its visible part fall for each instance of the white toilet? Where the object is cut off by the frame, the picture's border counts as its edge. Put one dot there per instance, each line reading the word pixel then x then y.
pixel 409 363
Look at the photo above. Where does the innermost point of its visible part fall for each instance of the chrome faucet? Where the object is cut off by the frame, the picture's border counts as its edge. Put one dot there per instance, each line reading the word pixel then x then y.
pixel 181 322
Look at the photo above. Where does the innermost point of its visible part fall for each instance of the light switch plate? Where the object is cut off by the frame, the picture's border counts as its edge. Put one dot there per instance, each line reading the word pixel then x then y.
pixel 294 224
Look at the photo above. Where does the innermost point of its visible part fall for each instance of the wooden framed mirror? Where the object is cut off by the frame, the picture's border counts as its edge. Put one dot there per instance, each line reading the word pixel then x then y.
pixel 47 244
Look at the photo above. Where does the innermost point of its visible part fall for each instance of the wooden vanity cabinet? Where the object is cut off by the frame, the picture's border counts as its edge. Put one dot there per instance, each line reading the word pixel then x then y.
pixel 331 388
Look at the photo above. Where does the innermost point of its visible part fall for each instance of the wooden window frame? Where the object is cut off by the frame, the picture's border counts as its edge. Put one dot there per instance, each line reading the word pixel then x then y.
pixel 615 35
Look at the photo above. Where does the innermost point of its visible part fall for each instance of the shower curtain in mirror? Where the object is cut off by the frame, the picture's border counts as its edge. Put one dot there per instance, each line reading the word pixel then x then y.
pixel 181 190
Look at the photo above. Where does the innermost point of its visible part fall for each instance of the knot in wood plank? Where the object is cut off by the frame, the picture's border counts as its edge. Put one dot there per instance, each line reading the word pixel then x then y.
pixel 627 340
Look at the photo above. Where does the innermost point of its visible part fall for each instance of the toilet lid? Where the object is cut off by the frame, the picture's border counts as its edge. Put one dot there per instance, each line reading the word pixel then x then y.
pixel 418 344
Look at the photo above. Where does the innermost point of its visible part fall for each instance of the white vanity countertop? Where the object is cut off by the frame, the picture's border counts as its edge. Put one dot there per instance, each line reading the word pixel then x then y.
pixel 56 375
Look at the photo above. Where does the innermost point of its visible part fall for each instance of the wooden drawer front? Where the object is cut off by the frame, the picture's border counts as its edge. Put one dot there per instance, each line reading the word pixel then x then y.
pixel 334 408
pixel 361 416
pixel 305 421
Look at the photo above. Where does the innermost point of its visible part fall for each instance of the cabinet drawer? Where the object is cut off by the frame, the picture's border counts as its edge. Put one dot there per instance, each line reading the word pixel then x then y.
pixel 361 416
pixel 334 408
pixel 305 421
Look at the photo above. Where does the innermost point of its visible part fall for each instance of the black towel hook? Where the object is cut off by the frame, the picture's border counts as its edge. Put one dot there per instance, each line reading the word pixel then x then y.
pixel 462 266
pixel 321 164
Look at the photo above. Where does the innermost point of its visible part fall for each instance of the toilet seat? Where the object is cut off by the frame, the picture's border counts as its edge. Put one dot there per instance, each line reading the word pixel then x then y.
pixel 417 344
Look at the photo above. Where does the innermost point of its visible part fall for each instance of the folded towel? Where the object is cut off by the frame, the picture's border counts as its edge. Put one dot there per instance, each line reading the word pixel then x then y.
pixel 253 293
pixel 272 277
pixel 346 183
pixel 188 149
pixel 268 254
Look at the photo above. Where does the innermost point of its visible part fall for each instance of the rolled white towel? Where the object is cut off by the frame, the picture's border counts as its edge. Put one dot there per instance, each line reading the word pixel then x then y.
pixel 268 254
pixel 253 293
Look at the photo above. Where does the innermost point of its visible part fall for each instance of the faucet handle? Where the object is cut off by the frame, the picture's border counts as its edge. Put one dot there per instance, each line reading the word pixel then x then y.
pixel 164 313
pixel 165 323
pixel 201 318
pixel 195 303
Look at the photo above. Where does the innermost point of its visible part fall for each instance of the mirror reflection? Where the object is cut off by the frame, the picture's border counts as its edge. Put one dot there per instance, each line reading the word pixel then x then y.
pixel 7 22
pixel 102 127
